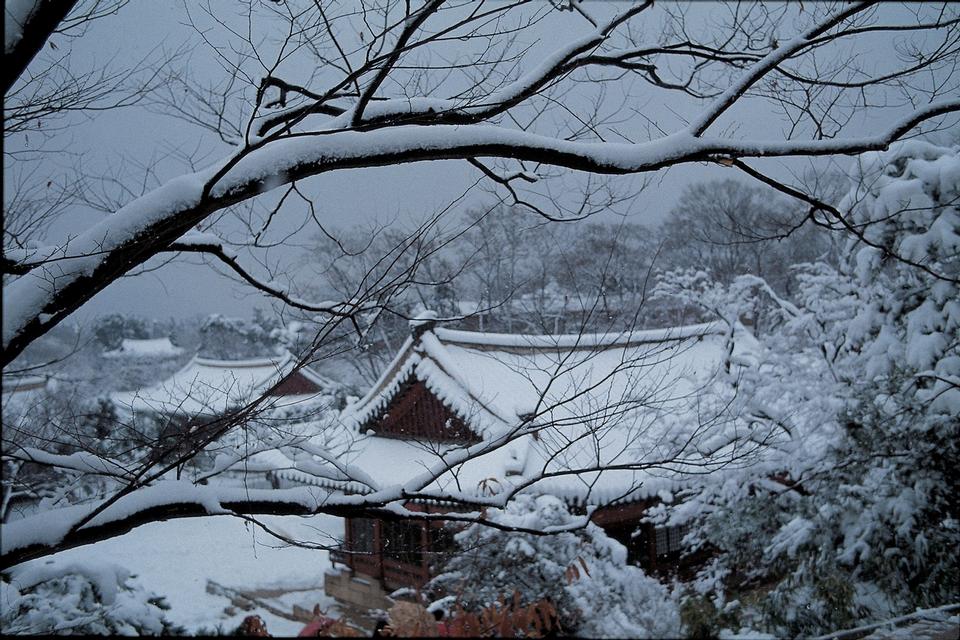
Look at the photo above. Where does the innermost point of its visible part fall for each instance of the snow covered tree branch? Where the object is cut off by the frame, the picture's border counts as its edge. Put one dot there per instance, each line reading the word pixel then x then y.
pixel 27 25
pixel 146 491
pixel 216 250
pixel 311 89
pixel 382 131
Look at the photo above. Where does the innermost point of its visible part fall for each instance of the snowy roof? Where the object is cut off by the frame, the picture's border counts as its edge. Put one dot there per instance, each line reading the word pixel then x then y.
pixel 22 384
pixel 150 348
pixel 491 380
pixel 576 402
pixel 22 395
pixel 206 386
pixel 389 461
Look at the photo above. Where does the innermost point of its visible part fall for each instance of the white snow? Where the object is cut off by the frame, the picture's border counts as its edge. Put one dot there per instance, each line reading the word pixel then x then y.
pixel 502 376
pixel 82 461
pixel 194 237
pixel 624 399
pixel 205 386
pixel 176 559
pixel 578 341
pixel 50 527
pixel 149 348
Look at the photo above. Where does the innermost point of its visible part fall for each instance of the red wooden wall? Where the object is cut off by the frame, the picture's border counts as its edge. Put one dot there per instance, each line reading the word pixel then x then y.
pixel 295 384
pixel 416 413
pixel 404 552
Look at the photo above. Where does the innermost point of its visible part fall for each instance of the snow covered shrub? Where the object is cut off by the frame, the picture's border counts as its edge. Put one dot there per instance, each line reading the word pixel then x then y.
pixel 853 512
pixel 80 600
pixel 701 619
pixel 584 573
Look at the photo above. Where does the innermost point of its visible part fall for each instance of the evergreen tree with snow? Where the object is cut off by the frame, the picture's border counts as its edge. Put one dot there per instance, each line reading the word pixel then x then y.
pixel 852 513
pixel 83 600
pixel 583 572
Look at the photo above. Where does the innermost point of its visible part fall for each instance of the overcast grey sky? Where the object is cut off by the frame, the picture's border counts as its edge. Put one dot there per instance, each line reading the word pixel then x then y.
pixel 121 139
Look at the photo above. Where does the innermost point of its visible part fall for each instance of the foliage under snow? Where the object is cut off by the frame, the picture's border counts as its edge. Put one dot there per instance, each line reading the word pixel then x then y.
pixel 853 514
pixel 80 599
pixel 584 573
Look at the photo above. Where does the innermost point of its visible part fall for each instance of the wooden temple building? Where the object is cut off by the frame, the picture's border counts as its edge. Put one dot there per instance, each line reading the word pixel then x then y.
pixel 567 407
pixel 207 387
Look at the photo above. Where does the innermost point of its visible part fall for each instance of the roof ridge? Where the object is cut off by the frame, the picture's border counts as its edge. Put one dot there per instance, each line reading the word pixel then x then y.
pixel 438 354
pixel 278 361
pixel 577 340
pixel 386 379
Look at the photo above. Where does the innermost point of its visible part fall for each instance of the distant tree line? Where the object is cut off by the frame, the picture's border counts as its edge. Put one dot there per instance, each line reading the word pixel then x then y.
pixel 504 270
pixel 498 269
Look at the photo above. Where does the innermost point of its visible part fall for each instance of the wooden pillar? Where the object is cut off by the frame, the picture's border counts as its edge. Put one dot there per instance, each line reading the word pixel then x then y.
pixel 378 546
pixel 348 542
pixel 651 544
pixel 424 548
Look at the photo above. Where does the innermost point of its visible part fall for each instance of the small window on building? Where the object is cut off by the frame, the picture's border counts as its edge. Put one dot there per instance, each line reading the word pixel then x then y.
pixel 442 544
pixel 668 540
pixel 403 542
pixel 442 540
pixel 361 534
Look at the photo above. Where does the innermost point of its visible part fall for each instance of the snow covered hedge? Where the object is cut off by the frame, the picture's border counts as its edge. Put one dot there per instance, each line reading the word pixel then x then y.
pixel 584 573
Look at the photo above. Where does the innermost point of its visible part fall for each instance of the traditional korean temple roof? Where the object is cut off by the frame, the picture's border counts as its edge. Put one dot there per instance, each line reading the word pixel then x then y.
pixel 21 393
pixel 206 386
pixel 149 348
pixel 580 402
pixel 22 384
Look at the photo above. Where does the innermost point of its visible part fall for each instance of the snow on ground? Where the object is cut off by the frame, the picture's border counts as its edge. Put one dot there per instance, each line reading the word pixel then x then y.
pixel 176 559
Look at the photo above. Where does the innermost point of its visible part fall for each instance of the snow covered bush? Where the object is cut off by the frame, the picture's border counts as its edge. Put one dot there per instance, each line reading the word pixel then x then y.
pixel 584 573
pixel 80 600
pixel 853 512
pixel 62 423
